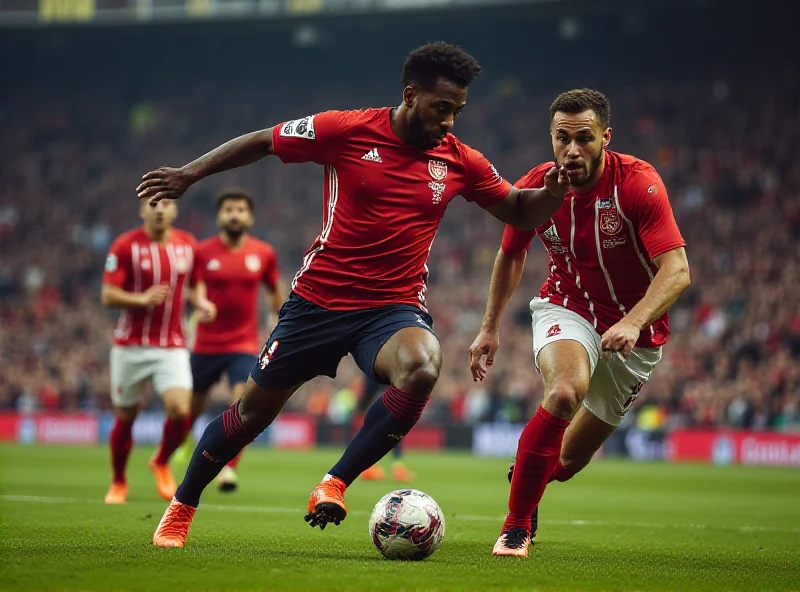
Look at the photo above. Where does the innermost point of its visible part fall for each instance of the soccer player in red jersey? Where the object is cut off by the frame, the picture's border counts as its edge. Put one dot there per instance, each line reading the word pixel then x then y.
pixel 617 265
pixel 389 175
pixel 233 265
pixel 146 270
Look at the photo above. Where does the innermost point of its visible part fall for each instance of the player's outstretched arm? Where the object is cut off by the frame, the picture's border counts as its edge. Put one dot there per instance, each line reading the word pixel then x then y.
pixel 506 274
pixel 670 281
pixel 527 209
pixel 171 183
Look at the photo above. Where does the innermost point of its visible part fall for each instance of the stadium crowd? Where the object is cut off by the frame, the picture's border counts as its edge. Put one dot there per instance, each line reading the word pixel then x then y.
pixel 723 145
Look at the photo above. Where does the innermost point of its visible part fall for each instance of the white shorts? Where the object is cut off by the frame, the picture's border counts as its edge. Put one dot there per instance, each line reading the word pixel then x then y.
pixel 614 384
pixel 132 366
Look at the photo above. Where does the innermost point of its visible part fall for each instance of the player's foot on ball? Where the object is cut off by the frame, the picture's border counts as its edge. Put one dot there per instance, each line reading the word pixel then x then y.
pixel 401 474
pixel 374 473
pixel 227 481
pixel 117 493
pixel 174 525
pixel 513 542
pixel 165 482
pixel 327 503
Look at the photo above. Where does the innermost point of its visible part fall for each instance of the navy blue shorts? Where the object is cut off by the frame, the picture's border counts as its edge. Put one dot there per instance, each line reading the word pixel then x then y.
pixel 310 341
pixel 207 369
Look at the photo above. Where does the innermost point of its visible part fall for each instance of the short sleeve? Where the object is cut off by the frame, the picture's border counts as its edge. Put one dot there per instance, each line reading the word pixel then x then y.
pixel 485 186
pixel 315 138
pixel 118 264
pixel 646 199
pixel 516 241
pixel 270 277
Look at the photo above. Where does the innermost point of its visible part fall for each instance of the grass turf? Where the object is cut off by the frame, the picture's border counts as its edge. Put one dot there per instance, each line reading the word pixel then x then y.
pixel 616 526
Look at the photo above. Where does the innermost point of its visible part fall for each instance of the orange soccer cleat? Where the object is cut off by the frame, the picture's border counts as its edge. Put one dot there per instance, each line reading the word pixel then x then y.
pixel 513 542
pixel 374 473
pixel 401 474
pixel 165 482
pixel 327 503
pixel 117 493
pixel 174 525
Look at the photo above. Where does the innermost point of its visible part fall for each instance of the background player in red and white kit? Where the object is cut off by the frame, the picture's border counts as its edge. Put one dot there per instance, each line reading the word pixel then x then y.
pixel 617 264
pixel 147 270
pixel 389 175
pixel 233 266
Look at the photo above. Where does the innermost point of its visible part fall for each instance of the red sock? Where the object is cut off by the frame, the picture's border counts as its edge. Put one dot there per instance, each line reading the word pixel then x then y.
pixel 537 454
pixel 175 430
pixel 120 441
pixel 560 473
pixel 235 460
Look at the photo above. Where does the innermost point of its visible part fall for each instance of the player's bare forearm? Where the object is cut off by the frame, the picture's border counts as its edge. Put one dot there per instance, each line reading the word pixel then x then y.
pixel 276 299
pixel 115 297
pixel 535 207
pixel 233 154
pixel 506 274
pixel 669 283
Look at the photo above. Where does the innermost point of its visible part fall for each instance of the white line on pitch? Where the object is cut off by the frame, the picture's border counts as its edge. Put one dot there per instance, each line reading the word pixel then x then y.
pixel 467 517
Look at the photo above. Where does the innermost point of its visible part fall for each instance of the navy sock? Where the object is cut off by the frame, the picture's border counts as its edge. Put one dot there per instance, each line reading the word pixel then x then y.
pixel 388 419
pixel 221 441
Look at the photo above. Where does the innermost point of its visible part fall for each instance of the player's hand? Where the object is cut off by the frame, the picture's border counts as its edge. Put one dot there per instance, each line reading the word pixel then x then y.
pixel 619 339
pixel 155 295
pixel 482 352
pixel 556 181
pixel 164 183
pixel 206 311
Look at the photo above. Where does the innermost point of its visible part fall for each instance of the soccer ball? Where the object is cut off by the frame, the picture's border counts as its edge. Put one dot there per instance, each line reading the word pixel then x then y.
pixel 406 524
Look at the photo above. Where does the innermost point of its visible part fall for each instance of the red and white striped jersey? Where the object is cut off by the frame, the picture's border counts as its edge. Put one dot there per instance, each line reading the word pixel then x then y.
pixel 602 244
pixel 384 201
pixel 135 263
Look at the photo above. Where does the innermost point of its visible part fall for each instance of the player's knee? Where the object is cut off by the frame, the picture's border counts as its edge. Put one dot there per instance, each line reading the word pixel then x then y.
pixel 418 374
pixel 562 400
pixel 569 467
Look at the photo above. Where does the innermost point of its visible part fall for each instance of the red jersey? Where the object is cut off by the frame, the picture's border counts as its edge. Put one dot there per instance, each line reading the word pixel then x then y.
pixel 602 244
pixel 233 278
pixel 383 202
pixel 135 263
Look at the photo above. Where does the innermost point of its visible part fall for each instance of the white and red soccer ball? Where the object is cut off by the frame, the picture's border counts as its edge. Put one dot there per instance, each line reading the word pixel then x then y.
pixel 406 524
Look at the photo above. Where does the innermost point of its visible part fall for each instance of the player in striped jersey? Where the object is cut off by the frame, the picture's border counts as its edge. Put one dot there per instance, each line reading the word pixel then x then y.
pixel 617 264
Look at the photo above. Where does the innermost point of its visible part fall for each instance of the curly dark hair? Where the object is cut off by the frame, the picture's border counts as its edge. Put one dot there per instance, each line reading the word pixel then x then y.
pixel 583 99
pixel 426 64
pixel 235 193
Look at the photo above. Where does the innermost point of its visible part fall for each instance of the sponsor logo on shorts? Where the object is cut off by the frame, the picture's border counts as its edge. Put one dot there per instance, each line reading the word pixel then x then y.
pixel 553 331
pixel 268 354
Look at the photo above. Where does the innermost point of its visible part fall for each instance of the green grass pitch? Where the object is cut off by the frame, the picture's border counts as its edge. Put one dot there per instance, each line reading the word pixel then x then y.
pixel 616 526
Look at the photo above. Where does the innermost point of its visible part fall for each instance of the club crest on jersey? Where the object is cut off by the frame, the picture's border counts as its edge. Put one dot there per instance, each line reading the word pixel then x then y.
pixel 437 169
pixel 213 265
pixel 610 222
pixel 252 263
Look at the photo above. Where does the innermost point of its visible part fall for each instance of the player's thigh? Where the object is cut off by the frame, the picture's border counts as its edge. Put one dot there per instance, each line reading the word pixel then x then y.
pixel 207 370
pixel 129 368
pixel 396 343
pixel 617 383
pixel 584 437
pixel 566 349
pixel 308 341
pixel 173 380
pixel 238 370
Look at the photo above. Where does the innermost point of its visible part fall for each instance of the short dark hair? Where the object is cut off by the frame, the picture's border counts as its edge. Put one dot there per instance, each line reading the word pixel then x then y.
pixel 583 99
pixel 426 64
pixel 234 193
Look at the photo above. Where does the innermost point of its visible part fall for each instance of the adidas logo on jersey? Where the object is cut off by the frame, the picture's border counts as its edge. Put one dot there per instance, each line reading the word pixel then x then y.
pixel 551 234
pixel 372 156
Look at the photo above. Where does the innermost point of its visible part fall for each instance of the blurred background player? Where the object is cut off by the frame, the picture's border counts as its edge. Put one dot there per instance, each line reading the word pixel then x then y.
pixel 390 174
pixel 145 273
pixel 232 266
pixel 371 389
pixel 617 265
